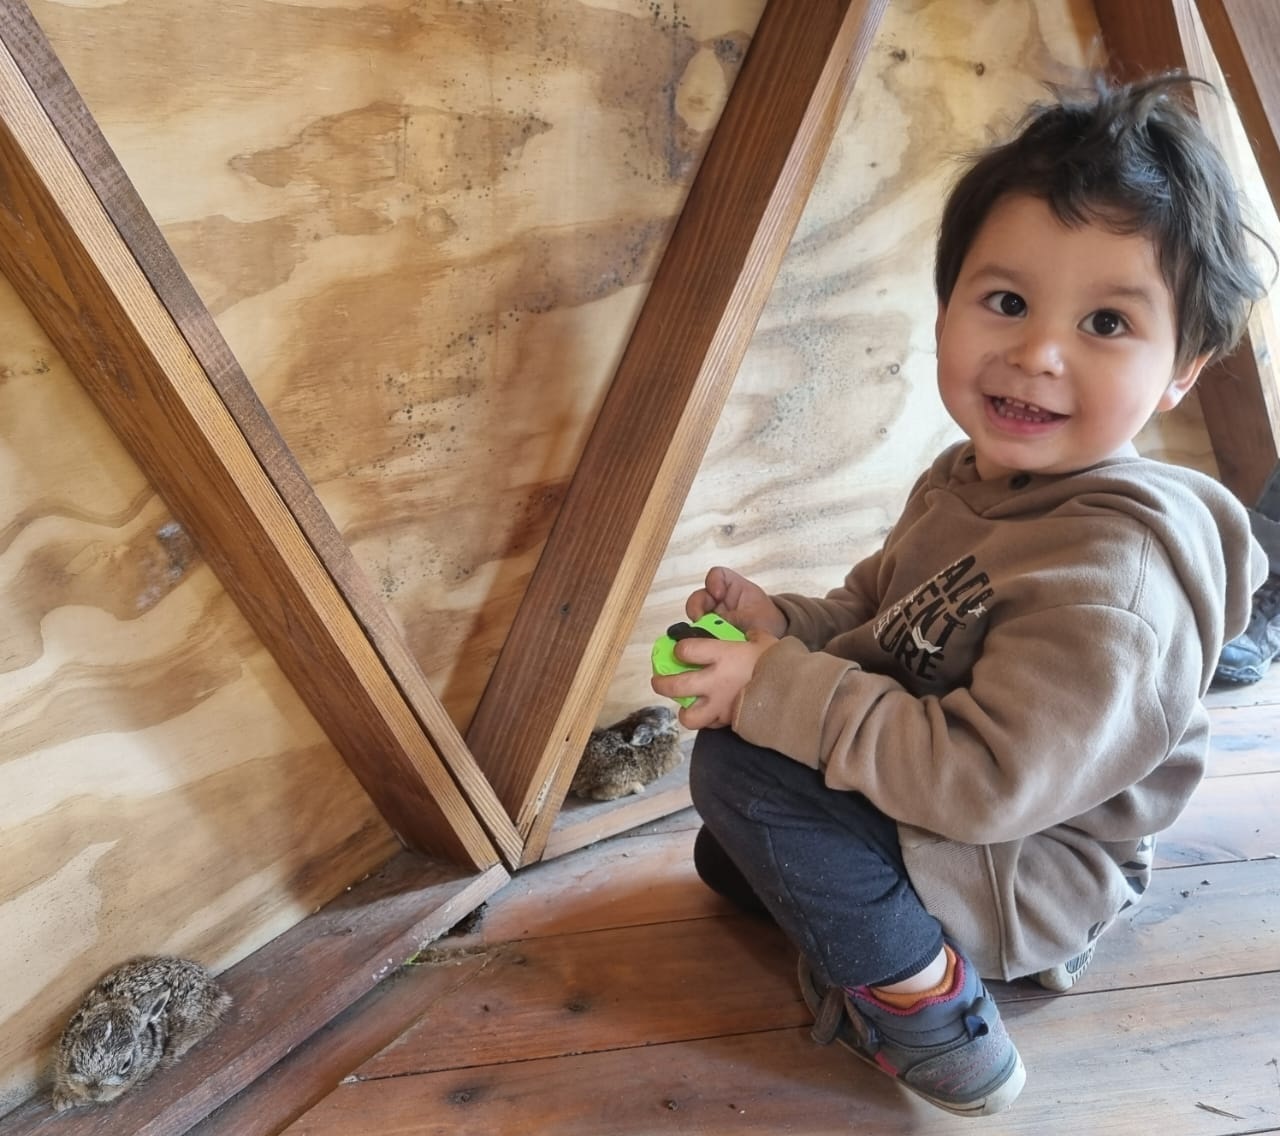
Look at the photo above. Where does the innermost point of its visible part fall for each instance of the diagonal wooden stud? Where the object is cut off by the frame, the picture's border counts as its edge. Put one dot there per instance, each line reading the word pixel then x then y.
pixel 668 392
pixel 71 265
pixel 140 234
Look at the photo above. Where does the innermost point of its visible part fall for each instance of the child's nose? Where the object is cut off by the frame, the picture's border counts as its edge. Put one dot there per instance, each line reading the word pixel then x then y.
pixel 1037 350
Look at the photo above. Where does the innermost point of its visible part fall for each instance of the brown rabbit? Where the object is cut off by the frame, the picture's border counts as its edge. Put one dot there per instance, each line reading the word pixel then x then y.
pixel 625 757
pixel 146 1013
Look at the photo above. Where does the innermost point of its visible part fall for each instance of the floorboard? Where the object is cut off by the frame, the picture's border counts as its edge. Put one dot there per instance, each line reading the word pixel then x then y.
pixel 1187 1059
pixel 608 993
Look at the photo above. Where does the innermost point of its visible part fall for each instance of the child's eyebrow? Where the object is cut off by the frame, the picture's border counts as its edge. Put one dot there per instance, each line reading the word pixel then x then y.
pixel 995 273
pixel 1135 292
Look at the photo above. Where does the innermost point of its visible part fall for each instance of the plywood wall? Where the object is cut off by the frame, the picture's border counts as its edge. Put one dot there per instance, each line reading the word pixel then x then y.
pixel 424 227
pixel 162 788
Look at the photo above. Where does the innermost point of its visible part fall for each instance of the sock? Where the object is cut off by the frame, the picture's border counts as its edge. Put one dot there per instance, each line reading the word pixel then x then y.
pixel 908 1000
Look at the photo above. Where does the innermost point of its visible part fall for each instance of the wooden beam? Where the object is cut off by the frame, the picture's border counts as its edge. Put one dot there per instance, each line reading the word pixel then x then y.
pixel 283 993
pixel 1140 39
pixel 1245 37
pixel 1240 395
pixel 1239 422
pixel 647 443
pixel 67 260
pixel 1244 418
pixel 80 133
pixel 580 823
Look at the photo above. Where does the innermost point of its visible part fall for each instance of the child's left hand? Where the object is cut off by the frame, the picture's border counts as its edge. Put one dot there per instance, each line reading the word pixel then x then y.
pixel 725 669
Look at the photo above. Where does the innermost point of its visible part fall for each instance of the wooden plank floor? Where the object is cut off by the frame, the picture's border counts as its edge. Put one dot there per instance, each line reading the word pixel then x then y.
pixel 607 993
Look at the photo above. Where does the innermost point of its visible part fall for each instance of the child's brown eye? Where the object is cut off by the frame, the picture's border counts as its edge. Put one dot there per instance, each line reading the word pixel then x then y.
pixel 1106 323
pixel 1006 303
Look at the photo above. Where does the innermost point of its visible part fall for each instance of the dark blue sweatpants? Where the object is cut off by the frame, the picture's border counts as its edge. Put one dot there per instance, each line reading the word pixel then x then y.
pixel 825 864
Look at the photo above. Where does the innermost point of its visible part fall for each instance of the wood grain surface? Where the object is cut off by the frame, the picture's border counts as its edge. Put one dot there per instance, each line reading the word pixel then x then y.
pixel 76 127
pixel 424 229
pixel 162 786
pixel 65 257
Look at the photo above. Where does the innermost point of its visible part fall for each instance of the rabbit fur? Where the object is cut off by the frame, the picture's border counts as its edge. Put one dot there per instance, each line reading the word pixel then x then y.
pixel 625 757
pixel 145 1013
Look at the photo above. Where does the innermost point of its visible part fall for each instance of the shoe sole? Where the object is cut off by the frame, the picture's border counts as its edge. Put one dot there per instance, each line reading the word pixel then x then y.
pixel 1000 1098
pixel 1060 979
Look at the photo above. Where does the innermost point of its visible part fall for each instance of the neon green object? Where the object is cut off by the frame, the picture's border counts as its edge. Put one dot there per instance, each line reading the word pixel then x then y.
pixel 709 626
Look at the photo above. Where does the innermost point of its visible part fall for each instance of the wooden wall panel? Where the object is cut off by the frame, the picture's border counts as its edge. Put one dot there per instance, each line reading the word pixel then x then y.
pixel 425 230
pixel 835 411
pixel 162 788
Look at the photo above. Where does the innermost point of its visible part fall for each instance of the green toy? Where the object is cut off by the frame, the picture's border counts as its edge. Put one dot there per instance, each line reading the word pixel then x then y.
pixel 709 626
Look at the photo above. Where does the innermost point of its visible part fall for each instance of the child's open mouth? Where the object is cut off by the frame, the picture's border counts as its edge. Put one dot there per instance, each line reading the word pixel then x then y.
pixel 1014 410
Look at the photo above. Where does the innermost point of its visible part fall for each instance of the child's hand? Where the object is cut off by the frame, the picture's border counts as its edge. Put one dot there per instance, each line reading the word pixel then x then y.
pixel 744 604
pixel 725 669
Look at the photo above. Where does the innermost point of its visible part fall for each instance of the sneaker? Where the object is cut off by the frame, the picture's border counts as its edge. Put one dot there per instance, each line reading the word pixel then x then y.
pixel 1248 656
pixel 1065 975
pixel 953 1052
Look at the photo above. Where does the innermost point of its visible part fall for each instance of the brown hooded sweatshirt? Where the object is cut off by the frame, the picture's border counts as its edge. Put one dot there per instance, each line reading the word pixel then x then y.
pixel 1016 678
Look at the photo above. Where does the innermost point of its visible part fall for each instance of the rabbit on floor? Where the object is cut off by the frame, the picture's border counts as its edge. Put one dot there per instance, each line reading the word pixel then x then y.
pixel 146 1013
pixel 625 757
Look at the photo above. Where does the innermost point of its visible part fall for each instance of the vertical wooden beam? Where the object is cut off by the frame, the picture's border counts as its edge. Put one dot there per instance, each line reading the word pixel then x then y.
pixel 1240 395
pixel 80 133
pixel 1245 36
pixel 666 396
pixel 68 262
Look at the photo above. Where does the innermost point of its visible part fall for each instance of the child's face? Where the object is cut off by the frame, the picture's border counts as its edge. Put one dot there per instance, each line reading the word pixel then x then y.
pixel 1057 343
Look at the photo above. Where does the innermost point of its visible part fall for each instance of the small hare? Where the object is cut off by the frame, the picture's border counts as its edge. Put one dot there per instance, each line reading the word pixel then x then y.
pixel 146 1013
pixel 625 757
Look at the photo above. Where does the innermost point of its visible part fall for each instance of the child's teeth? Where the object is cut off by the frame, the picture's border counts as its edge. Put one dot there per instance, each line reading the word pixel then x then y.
pixel 1015 408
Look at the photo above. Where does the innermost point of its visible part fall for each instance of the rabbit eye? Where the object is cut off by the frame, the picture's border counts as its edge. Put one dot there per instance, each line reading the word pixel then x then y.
pixel 126 1064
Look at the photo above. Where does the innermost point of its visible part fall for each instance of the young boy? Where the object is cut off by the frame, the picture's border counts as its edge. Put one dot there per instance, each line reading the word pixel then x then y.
pixel 954 764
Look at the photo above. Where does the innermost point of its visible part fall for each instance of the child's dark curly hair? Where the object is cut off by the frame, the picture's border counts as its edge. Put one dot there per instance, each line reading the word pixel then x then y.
pixel 1135 159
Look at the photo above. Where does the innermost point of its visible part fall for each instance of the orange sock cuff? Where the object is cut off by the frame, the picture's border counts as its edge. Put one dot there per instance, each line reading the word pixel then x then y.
pixel 908 1000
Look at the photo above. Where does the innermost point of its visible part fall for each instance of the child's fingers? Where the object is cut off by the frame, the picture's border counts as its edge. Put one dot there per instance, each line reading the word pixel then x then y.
pixel 700 716
pixel 675 686
pixel 699 652
pixel 699 604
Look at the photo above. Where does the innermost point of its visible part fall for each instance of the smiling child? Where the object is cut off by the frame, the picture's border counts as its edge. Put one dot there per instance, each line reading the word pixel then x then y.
pixel 955 764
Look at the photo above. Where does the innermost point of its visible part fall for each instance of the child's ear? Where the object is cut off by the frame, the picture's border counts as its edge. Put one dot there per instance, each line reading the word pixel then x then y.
pixel 1183 380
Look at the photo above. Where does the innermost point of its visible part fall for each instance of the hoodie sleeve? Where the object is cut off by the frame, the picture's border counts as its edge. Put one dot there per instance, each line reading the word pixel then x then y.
pixel 815 622
pixel 1049 727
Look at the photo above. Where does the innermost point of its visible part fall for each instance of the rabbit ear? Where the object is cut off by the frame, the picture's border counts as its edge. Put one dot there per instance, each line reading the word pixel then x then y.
pixel 156 1006
pixel 642 734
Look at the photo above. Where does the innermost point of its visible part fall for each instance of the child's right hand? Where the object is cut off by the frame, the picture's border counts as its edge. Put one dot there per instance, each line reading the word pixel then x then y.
pixel 744 604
